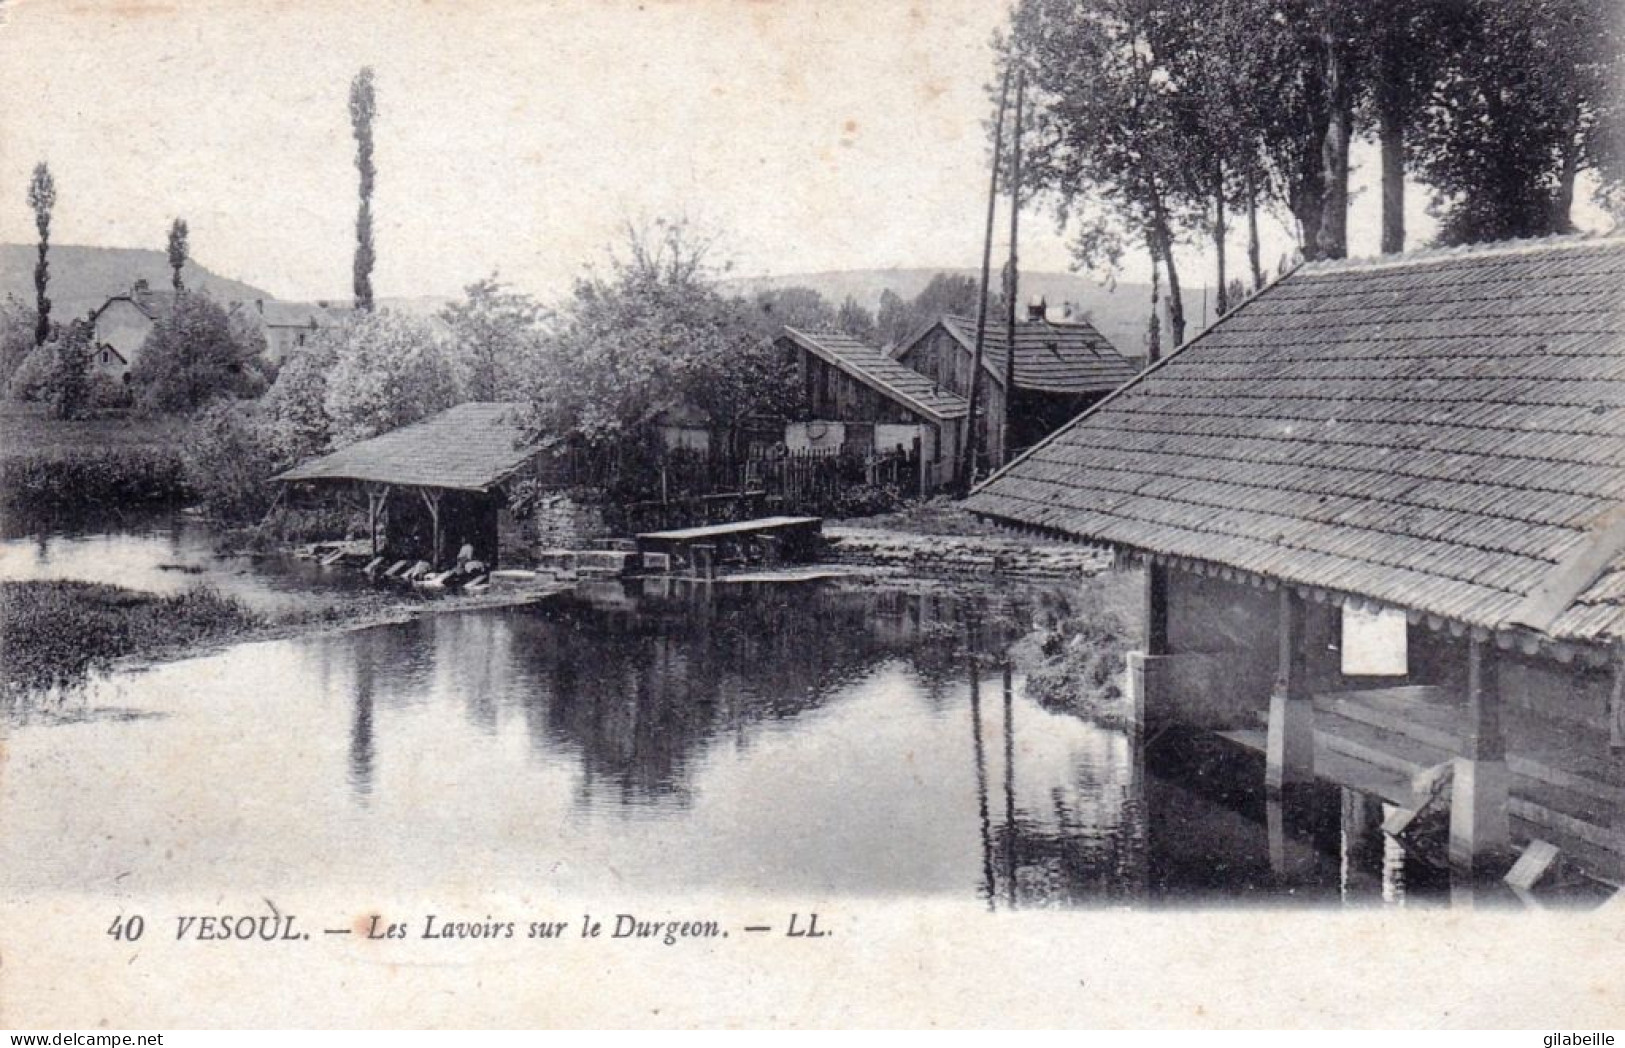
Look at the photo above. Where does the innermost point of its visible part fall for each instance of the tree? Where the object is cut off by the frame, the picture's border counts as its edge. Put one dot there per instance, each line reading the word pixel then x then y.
pixel 1109 134
pixel 388 369
pixel 198 354
pixel 294 409
pixel 363 109
pixel 177 251
pixel 67 383
pixel 1520 106
pixel 42 199
pixel 656 333
pixel 226 459
pixel 495 334
pixel 802 308
pixel 854 320
pixel 16 335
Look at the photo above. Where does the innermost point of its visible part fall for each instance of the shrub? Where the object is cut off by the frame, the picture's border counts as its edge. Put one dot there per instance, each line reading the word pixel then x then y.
pixel 114 476
pixel 54 633
pixel 228 462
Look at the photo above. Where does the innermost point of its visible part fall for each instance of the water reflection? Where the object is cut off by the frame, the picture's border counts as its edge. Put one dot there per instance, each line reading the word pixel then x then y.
pixel 665 738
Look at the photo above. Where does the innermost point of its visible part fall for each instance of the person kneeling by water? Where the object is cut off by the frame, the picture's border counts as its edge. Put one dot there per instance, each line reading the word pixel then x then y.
pixel 469 567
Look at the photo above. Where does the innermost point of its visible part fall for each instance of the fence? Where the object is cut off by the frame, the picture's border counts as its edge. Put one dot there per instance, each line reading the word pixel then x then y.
pixel 682 487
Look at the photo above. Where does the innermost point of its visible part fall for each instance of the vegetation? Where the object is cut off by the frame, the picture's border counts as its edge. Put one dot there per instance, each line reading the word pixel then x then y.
pixel 387 369
pixel 495 337
pixel 50 464
pixel 1075 653
pixel 197 354
pixel 655 334
pixel 177 252
pixel 16 336
pixel 54 633
pixel 227 461
pixel 363 110
pixel 1153 120
pixel 42 200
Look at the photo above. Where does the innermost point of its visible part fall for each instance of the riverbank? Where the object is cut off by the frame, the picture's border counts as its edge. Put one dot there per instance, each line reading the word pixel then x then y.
pixel 55 634
pixel 117 460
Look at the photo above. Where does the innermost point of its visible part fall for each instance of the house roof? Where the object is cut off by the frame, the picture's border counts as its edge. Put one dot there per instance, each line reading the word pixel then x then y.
pixel 875 369
pixel 154 305
pixel 471 447
pixel 291 314
pixel 1051 357
pixel 1442 432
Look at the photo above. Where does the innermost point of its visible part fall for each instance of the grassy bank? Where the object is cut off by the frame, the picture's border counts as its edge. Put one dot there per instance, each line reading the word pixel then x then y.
pixel 53 633
pixel 50 464
pixel 1075 653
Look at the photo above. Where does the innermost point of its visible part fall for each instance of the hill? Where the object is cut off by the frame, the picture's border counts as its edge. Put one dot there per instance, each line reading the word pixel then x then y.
pixel 83 277
pixel 1118 313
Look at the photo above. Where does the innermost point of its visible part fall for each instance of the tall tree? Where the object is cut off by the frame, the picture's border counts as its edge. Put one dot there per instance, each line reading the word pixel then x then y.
pixel 495 332
pixel 42 199
pixel 178 248
pixel 363 109
pixel 1109 136
pixel 1519 108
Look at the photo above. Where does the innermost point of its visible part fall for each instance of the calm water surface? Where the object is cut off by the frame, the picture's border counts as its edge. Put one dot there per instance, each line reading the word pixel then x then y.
pixel 803 739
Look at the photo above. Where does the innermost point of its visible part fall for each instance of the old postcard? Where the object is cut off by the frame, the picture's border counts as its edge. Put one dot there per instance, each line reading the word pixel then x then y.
pixel 716 513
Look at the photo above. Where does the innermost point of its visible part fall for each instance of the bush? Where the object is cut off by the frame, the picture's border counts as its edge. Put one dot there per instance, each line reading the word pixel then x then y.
pixel 114 476
pixel 53 633
pixel 228 462
pixel 197 354
pixel 28 381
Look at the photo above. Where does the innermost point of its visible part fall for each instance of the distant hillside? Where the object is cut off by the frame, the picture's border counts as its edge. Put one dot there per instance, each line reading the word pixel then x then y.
pixel 1120 314
pixel 82 278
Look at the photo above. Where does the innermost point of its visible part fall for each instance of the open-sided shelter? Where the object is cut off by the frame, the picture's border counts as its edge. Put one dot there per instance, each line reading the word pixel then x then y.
pixel 435 484
pixel 1385 501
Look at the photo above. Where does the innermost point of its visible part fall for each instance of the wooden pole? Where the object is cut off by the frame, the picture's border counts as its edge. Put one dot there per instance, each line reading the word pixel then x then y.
pixel 1014 289
pixel 431 499
pixel 967 451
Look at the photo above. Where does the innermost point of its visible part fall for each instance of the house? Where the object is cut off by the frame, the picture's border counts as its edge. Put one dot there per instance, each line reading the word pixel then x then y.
pixel 855 396
pixel 435 484
pixel 1381 508
pixel 287 326
pixel 121 325
pixel 1061 368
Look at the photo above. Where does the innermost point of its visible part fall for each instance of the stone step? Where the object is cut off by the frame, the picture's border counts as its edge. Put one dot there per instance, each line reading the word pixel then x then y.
pixel 1378 746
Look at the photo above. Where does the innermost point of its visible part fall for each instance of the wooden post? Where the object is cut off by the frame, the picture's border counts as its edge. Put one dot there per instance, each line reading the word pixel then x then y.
pixel 1156 608
pixel 967 448
pixel 1479 830
pixel 377 499
pixel 1009 790
pixel 1290 747
pixel 431 499
pixel 1013 291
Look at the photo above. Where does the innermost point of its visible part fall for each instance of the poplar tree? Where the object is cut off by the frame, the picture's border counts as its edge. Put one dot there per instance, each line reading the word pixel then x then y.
pixel 363 108
pixel 42 198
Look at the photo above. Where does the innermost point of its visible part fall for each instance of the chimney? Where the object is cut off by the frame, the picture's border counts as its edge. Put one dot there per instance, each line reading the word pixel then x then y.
pixel 259 304
pixel 1037 309
pixel 140 286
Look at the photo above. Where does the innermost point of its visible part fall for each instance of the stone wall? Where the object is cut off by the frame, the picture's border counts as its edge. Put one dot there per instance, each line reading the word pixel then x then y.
pixel 962 554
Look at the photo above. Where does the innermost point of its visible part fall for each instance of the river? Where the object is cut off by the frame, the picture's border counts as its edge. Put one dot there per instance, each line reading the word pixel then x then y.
pixel 829 739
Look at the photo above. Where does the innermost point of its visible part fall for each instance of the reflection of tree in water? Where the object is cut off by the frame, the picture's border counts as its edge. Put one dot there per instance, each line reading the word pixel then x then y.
pixel 639 688
pixel 1082 841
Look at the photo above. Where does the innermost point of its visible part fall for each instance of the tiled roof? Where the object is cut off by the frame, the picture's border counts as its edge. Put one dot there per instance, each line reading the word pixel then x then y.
pixel 1065 357
pixel 155 305
pixel 291 314
pixel 470 447
pixel 1443 432
pixel 875 369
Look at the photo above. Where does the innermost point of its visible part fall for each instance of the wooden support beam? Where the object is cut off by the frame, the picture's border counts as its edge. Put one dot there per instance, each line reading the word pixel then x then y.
pixel 1156 609
pixel 431 499
pixel 1480 831
pixel 1289 752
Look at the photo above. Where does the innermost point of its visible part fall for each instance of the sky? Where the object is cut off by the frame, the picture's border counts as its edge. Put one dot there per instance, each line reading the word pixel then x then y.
pixel 520 137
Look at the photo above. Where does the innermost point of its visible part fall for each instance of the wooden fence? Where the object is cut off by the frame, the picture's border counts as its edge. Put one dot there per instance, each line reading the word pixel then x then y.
pixel 681 488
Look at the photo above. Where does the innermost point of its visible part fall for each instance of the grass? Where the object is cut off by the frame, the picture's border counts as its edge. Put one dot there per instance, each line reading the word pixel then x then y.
pixel 29 430
pixel 54 633
pixel 48 463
